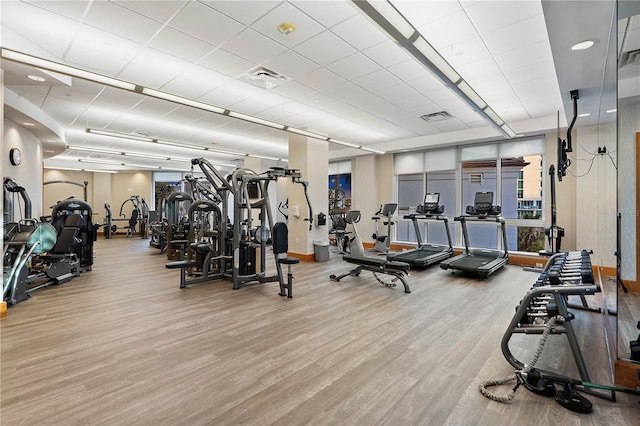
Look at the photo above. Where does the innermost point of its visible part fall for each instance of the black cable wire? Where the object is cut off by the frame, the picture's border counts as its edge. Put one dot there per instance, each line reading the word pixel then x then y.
pixel 615 166
pixel 586 173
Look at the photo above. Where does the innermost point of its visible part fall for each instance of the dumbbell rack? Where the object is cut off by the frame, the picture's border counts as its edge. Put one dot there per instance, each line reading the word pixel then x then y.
pixel 565 274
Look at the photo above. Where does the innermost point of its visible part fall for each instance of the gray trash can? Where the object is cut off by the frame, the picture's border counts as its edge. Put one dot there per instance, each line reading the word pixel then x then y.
pixel 321 250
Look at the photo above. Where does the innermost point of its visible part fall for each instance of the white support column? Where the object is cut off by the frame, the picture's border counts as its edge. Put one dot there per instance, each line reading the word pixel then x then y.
pixel 311 156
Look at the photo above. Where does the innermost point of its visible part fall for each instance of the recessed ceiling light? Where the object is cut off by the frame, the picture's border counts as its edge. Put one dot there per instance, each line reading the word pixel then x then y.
pixel 28 124
pixel 583 45
pixel 584 114
pixel 609 111
pixel 36 78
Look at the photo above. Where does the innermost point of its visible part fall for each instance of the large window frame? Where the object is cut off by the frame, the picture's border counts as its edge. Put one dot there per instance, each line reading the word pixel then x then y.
pixel 418 162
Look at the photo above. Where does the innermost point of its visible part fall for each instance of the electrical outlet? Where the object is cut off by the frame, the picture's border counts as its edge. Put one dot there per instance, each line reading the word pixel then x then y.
pixel 297 240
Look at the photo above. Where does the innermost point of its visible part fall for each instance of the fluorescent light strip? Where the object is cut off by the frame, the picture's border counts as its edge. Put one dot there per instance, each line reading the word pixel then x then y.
pixel 339 142
pixel 306 133
pixel 65 69
pixel 437 61
pixel 181 100
pixel 256 120
pixel 75 169
pixel 119 135
pixel 124 153
pixel 376 151
pixel 384 15
pixel 106 162
pixel 394 16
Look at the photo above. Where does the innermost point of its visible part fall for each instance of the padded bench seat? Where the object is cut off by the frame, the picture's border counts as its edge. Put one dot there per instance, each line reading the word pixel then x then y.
pixel 377 261
pixel 181 264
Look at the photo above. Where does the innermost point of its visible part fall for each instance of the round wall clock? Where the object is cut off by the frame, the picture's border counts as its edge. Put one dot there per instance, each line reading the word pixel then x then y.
pixel 15 156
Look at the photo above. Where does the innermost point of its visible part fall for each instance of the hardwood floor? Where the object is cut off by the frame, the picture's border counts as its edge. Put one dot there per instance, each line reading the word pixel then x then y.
pixel 122 344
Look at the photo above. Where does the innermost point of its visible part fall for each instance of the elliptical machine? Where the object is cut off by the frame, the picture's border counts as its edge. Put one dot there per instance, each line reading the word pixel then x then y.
pixel 382 243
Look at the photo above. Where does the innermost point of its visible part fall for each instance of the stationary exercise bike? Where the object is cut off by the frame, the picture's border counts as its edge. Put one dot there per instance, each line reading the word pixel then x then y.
pixel 383 242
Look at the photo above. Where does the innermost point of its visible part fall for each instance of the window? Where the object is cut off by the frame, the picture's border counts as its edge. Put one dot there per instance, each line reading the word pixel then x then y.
pixel 521 187
pixel 410 195
pixel 512 170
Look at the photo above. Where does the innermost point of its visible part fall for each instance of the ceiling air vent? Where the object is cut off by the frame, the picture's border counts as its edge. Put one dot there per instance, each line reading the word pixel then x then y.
pixel 629 59
pixel 436 116
pixel 263 77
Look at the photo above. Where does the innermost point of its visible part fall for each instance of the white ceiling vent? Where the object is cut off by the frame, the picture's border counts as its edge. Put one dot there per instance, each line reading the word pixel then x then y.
pixel 629 59
pixel 263 77
pixel 436 116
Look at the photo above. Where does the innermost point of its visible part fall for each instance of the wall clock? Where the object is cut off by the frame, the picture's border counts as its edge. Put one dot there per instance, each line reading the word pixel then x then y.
pixel 15 156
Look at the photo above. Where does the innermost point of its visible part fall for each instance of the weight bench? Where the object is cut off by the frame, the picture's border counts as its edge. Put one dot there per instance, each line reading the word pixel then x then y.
pixel 398 270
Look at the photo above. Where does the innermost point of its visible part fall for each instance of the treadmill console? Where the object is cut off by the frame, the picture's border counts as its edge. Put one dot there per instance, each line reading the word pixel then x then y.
pixel 431 205
pixel 483 206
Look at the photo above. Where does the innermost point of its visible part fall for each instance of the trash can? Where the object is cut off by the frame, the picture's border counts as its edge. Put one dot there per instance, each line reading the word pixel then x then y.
pixel 321 250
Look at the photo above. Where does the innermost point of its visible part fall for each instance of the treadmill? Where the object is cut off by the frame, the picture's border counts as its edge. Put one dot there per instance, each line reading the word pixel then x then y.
pixel 483 262
pixel 426 254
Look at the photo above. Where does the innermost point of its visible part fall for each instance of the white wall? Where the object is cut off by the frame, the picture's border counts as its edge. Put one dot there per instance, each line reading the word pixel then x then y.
pixel 596 193
pixel 628 126
pixel 29 172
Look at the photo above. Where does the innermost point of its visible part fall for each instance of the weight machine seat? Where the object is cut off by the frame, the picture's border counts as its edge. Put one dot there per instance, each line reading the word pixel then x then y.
pixel 178 264
pixel 375 262
pixel 280 241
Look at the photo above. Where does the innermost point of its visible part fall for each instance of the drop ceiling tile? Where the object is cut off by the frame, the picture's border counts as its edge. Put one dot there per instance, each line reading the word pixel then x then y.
pixel 90 59
pixel 541 109
pixel 194 82
pixel 225 62
pixel 537 91
pixel 491 15
pixel 359 32
pixel 449 125
pixel 80 91
pixel 321 79
pixel 483 76
pixel 420 13
pixel 426 84
pixel 181 45
pixel 291 64
pixel 101 42
pixel 294 90
pixel 253 46
pixel 324 48
pixel 117 100
pixel 153 69
pixel 530 54
pixel 465 114
pixel 452 102
pixel 465 52
pixel 408 70
pixel 319 100
pixel 397 91
pixel 377 80
pixel 354 66
pixel 345 91
pixel 244 11
pixel 125 23
pixel 387 54
pixel 531 72
pixel 153 107
pixel 450 29
pixel 71 9
pixel 414 101
pixel 326 13
pixel 306 27
pixel 254 105
pixel 515 36
pixel 229 93
pixel 205 23
pixel 65 112
pixel 34 94
pixel 186 115
pixel 50 32
pixel 159 10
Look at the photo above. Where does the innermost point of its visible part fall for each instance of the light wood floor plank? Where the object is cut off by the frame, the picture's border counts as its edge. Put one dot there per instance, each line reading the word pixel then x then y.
pixel 123 344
